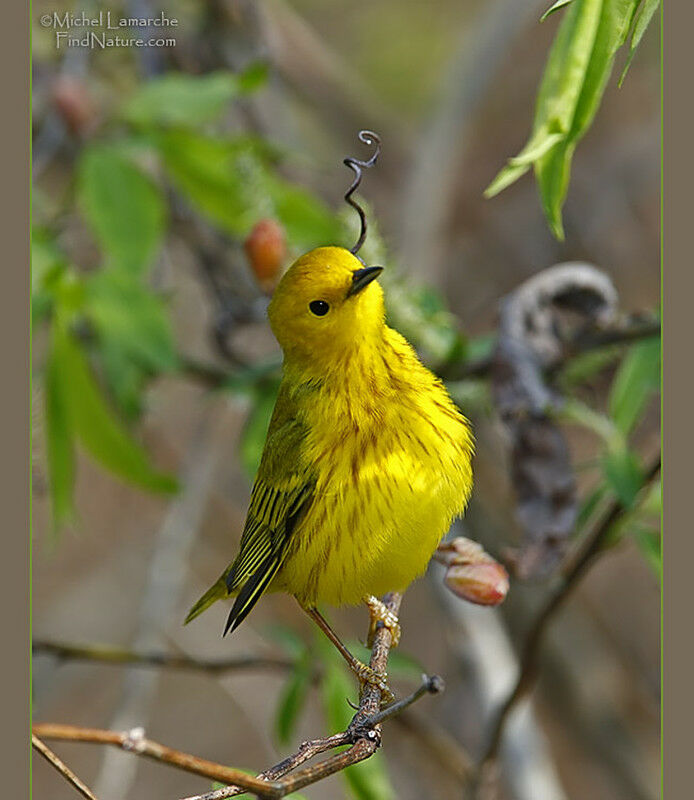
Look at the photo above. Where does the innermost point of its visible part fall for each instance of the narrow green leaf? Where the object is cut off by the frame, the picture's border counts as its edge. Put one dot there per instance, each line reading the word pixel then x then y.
pixel 645 14
pixel 179 99
pixel 506 176
pixel 652 503
pixel 124 208
pixel 555 7
pixel 256 427
pixel 47 266
pixel 637 378
pixel 585 366
pixel 59 441
pixel 94 423
pixel 218 176
pixel 132 318
pixel 293 699
pixel 649 543
pixel 590 504
pixel 624 474
pixel 578 67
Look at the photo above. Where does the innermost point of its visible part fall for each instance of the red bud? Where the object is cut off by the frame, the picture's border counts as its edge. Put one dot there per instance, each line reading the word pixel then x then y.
pixel 485 584
pixel 472 574
pixel 266 251
pixel 73 102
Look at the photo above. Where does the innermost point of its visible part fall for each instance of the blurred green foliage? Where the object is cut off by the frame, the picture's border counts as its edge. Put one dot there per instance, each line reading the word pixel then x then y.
pixel 576 74
pixel 110 332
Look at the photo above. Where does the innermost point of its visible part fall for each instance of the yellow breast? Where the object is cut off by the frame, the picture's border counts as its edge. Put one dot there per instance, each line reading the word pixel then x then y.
pixel 392 458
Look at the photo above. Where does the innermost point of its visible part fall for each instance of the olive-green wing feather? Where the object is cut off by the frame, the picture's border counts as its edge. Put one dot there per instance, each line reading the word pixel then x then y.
pixel 282 493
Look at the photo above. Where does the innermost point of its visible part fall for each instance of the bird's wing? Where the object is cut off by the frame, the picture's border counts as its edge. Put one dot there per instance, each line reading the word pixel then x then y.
pixel 272 517
pixel 282 493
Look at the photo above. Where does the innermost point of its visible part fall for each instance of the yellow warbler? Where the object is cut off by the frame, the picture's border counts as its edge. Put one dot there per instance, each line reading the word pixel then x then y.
pixel 367 459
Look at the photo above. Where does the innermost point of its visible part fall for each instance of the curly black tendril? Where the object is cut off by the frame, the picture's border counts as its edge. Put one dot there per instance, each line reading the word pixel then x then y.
pixel 371 138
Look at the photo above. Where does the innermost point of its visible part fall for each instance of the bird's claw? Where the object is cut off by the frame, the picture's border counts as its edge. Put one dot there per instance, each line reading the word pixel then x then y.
pixel 379 680
pixel 382 616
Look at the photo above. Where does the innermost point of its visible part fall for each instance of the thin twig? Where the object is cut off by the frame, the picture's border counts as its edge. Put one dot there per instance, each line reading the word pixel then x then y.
pixel 106 654
pixel 585 341
pixel 62 768
pixel 574 569
pixel 363 735
pixel 430 685
pixel 134 741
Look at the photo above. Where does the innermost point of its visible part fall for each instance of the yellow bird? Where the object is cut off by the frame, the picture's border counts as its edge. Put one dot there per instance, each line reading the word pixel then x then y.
pixel 367 459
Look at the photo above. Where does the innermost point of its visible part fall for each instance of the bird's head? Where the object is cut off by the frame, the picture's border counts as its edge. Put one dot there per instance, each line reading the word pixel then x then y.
pixel 326 305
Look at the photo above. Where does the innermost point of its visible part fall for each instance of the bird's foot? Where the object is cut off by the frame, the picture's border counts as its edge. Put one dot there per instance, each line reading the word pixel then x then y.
pixel 369 677
pixel 381 617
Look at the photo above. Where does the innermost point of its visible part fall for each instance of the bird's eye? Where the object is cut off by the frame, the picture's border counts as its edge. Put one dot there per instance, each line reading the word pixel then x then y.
pixel 319 307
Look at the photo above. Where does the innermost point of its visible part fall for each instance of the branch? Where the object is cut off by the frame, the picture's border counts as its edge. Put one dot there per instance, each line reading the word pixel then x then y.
pixel 572 572
pixel 134 741
pixel 363 735
pixel 107 654
pixel 585 341
pixel 62 768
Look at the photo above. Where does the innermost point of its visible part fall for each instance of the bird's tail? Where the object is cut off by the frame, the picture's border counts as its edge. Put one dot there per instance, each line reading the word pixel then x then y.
pixel 214 593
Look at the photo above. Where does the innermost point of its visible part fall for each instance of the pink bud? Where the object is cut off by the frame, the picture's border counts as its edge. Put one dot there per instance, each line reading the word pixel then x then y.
pixel 484 583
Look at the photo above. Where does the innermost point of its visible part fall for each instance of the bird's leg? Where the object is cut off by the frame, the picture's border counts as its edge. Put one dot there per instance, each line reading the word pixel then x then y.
pixel 364 672
pixel 381 617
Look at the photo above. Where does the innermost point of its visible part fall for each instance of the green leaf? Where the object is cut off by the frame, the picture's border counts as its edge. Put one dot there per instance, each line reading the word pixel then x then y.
pixel 555 7
pixel 59 441
pixel 95 425
pixel 256 427
pixel 649 543
pixel 133 317
pixel 293 698
pixel 574 80
pixel 47 267
pixel 134 334
pixel 585 366
pixel 590 504
pixel 420 314
pixel 643 19
pixel 652 502
pixel 624 474
pixel 254 77
pixel 218 176
pixel 179 99
pixel 289 640
pixel 231 182
pixel 306 220
pixel 124 208
pixel 637 378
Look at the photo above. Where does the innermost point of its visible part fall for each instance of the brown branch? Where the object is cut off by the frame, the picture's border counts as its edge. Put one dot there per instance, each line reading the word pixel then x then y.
pixel 573 570
pixel 583 342
pixel 134 741
pixel 106 654
pixel 363 735
pixel 61 767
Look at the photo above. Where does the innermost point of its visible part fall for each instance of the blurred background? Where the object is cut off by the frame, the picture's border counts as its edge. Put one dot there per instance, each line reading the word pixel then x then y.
pixel 172 185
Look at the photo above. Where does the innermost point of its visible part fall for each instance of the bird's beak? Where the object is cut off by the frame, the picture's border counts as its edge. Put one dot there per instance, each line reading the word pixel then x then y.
pixel 361 278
